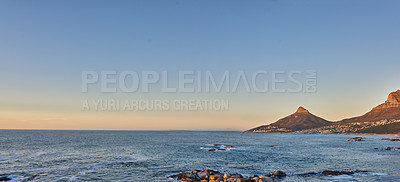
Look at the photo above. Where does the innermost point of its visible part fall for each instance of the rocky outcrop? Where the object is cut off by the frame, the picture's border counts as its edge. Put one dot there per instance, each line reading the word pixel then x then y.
pixel 216 176
pixel 300 120
pixel 393 100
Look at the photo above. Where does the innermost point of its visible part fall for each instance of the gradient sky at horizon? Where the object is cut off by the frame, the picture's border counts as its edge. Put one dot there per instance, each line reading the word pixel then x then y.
pixel 44 45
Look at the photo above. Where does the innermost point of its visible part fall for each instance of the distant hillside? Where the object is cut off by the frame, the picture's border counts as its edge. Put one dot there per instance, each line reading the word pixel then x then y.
pixel 300 120
pixel 393 128
pixel 384 118
pixel 388 110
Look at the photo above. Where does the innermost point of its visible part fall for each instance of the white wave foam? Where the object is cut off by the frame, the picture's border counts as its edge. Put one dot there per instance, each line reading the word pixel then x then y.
pixel 379 174
pixel 73 178
pixel 343 176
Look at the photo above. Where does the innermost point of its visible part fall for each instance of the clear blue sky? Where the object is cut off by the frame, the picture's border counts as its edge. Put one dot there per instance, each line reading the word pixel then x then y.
pixel 353 44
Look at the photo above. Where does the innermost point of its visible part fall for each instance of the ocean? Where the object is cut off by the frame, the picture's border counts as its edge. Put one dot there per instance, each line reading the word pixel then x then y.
pixel 42 155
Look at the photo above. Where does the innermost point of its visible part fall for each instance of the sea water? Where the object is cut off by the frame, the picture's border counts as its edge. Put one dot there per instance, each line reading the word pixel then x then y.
pixel 34 155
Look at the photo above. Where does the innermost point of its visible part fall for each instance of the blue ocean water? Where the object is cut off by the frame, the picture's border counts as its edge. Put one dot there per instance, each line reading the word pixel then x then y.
pixel 33 155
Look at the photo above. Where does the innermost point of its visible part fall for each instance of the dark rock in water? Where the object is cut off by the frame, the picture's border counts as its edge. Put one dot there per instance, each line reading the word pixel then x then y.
pixel 389 148
pixel 212 150
pixel 391 139
pixel 309 174
pixel 336 173
pixel 203 175
pixel 5 179
pixel 357 139
pixel 333 173
pixel 278 173
pixel 263 178
pixel 189 176
pixel 376 148
pixel 221 149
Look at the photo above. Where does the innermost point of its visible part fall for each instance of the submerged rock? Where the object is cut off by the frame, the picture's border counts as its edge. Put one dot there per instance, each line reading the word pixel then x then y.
pixel 336 173
pixel 357 139
pixel 3 178
pixel 389 148
pixel 203 175
pixel 332 173
pixel 274 146
pixel 391 139
pixel 278 173
pixel 190 177
pixel 266 178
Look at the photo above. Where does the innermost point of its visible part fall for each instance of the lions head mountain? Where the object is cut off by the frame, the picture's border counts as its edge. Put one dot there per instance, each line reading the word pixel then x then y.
pixel 300 120
pixel 382 119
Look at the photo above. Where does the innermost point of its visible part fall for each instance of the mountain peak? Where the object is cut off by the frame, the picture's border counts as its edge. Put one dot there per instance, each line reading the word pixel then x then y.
pixel 302 110
pixel 393 101
pixel 300 120
pixel 394 97
pixel 390 109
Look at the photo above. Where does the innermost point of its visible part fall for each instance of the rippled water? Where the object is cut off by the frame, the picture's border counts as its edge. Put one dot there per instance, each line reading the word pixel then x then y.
pixel 153 155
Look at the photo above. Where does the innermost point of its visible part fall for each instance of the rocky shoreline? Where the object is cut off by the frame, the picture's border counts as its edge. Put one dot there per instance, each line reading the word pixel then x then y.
pixel 216 176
